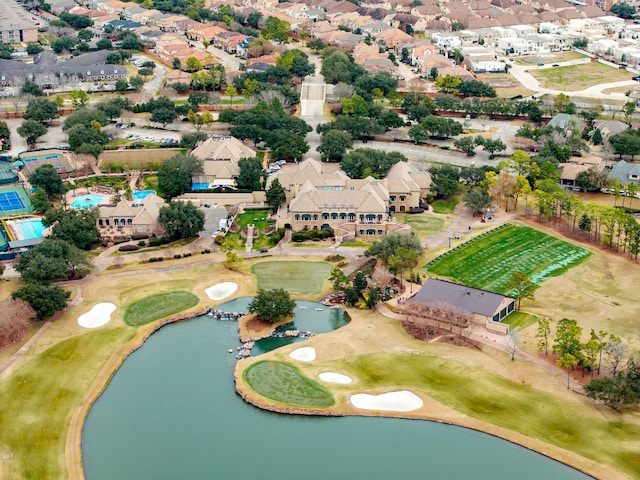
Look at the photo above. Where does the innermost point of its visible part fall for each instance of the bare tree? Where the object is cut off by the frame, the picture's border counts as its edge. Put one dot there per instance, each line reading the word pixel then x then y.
pixel 617 352
pixel 511 341
pixel 344 90
pixel 15 315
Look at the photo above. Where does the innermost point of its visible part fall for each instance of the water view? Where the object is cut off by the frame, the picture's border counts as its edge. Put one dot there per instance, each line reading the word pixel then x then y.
pixel 171 412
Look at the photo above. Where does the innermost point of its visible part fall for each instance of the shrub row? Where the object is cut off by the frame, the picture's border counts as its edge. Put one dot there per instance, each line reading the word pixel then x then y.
pixel 156 259
pixel 303 235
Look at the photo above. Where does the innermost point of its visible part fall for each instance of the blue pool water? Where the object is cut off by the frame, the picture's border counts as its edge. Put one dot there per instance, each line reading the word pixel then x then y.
pixel 87 201
pixel 30 228
pixel 140 194
pixel 199 186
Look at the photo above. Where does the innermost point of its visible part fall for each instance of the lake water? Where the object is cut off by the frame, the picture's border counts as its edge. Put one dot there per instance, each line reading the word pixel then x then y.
pixel 171 412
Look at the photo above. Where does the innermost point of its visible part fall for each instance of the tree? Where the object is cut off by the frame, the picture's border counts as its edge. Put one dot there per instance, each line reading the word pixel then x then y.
pixel 402 259
pixel 338 279
pixel 122 86
pixel 567 361
pixel 176 63
pixel 596 138
pixel 61 44
pixel 231 92
pixel 75 226
pixel 181 219
pixel 493 145
pixel 276 29
pixel 251 174
pixel 476 88
pixel 360 282
pixel 433 125
pixel 136 82
pixel 53 259
pixel 567 339
pixel 85 35
pixel 190 140
pixel 198 119
pixel 86 134
pixel 616 351
pixel 385 248
pixel 444 180
pixel 520 283
pixel 46 178
pixel 511 341
pixel 44 300
pixel 254 18
pixel 164 116
pixel 477 199
pixel 174 176
pixel 31 88
pixel 628 109
pixel 193 64
pixel 78 98
pixel 41 110
pixel 542 334
pixel 364 162
pixel 334 144
pixel 104 44
pixel 623 10
pixel 34 48
pixel 467 145
pixel 275 195
pixel 316 45
pixel 272 305
pixel 40 200
pixel 448 83
pixel 31 130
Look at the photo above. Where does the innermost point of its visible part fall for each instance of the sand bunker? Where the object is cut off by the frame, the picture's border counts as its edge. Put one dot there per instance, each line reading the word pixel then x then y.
pixel 98 316
pixel 332 377
pixel 221 290
pixel 304 354
pixel 401 401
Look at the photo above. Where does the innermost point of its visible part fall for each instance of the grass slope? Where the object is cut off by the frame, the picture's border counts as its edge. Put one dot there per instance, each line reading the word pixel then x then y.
pixel 487 261
pixel 294 277
pixel 481 394
pixel 284 383
pixel 422 224
pixel 158 306
pixel 38 403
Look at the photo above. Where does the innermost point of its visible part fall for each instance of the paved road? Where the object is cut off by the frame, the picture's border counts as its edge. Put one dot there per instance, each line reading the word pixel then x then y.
pixel 312 98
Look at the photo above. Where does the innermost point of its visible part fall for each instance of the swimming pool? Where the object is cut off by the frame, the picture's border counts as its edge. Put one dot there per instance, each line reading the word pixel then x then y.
pixel 30 228
pixel 140 194
pixel 87 201
pixel 199 186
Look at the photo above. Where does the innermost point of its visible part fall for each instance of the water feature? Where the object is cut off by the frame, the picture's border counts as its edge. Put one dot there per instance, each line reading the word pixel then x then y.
pixel 171 412
pixel 87 201
pixel 140 194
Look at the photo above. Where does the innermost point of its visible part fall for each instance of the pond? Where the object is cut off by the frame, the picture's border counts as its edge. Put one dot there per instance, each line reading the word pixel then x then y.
pixel 171 411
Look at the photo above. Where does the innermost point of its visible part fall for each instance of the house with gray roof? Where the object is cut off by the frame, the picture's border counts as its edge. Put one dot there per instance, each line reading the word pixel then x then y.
pixel 566 120
pixel 483 305
pixel 625 172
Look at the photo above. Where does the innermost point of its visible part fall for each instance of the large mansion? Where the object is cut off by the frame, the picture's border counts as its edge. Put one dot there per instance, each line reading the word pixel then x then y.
pixel 321 196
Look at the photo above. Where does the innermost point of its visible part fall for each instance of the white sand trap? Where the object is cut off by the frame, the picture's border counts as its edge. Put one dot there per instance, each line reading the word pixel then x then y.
pixel 401 401
pixel 221 290
pixel 332 377
pixel 98 316
pixel 304 354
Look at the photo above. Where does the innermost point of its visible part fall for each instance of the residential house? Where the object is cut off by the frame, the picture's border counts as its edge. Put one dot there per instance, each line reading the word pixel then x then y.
pixel 177 76
pixel 393 37
pixel 485 307
pixel 114 7
pixel 609 127
pixel 406 187
pixel 576 165
pixel 566 122
pixel 625 172
pixel 220 155
pixel 131 218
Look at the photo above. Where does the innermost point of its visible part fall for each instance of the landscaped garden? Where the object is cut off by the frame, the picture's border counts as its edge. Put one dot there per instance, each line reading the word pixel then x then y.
pixel 260 219
pixel 295 277
pixel 284 383
pixel 488 261
pixel 158 306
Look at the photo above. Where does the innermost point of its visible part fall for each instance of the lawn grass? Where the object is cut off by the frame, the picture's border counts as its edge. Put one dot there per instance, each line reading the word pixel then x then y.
pixel 552 57
pixel 445 206
pixel 355 243
pixel 579 77
pixel 158 306
pixel 285 384
pixel 38 402
pixel 520 320
pixel 422 224
pixel 150 182
pixel 505 84
pixel 259 218
pixel 488 261
pixel 295 277
pixel 475 391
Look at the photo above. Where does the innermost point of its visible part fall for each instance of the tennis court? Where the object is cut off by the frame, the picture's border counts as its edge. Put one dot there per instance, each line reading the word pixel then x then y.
pixel 55 158
pixel 14 200
pixel 7 175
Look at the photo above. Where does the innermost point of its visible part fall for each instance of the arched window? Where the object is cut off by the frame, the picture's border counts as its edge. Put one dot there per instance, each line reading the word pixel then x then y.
pixel 392 198
pixel 325 216
pixel 361 232
pixel 379 218
pixel 129 222
pixel 306 217
pixel 334 216
pixel 380 232
pixel 402 208
pixel 297 217
pixel 315 216
pixel 371 231
pixel 352 217
pixel 343 216
pixel 115 222
pixel 361 217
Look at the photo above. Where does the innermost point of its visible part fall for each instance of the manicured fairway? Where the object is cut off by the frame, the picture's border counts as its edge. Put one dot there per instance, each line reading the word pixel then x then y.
pixel 422 224
pixel 488 261
pixel 158 306
pixel 295 277
pixel 284 383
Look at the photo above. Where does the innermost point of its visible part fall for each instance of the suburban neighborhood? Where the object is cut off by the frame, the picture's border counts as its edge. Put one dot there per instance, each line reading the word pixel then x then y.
pixel 370 208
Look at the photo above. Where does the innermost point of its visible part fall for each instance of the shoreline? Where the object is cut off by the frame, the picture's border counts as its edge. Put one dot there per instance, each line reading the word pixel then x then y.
pixel 438 413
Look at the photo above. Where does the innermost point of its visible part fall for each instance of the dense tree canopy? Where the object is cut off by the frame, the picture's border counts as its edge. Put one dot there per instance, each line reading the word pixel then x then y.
pixel 476 88
pixel 174 176
pixel 334 144
pixel 338 66
pixel 75 226
pixel 51 260
pixel 272 305
pixel 276 195
pixel 44 300
pixel 364 162
pixel 41 110
pixel 181 219
pixel 31 130
pixel 445 180
pixel 432 125
pixel 47 178
pixel 251 174
pixel 384 249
